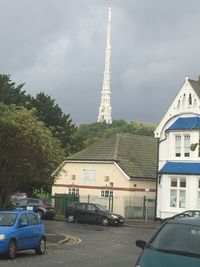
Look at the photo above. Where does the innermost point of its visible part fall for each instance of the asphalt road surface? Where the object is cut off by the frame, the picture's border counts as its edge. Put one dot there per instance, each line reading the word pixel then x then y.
pixel 88 246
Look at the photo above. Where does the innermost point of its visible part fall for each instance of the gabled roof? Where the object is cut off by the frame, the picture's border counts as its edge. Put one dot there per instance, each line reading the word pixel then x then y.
pixel 185 123
pixel 181 168
pixel 135 154
pixel 196 86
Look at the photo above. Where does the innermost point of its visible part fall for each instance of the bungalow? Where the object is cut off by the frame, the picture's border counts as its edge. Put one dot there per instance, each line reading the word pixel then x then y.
pixel 124 165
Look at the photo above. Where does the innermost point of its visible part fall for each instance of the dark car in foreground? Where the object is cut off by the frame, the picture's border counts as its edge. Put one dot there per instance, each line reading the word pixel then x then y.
pixel 187 213
pixel 92 213
pixel 43 208
pixel 175 244
pixel 21 230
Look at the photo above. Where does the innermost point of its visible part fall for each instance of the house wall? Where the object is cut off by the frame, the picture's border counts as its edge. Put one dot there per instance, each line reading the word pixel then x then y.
pixel 180 107
pixel 192 195
pixel 73 175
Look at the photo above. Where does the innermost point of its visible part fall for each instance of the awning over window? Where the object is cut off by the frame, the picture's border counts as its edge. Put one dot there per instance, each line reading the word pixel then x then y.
pixel 185 124
pixel 180 168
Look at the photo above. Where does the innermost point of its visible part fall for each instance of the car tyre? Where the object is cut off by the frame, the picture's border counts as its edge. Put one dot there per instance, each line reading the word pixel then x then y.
pixel 104 221
pixel 41 246
pixel 11 251
pixel 71 218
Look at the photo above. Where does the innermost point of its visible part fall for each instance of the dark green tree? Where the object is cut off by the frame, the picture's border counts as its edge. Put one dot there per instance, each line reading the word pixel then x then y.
pixel 60 124
pixel 10 93
pixel 29 153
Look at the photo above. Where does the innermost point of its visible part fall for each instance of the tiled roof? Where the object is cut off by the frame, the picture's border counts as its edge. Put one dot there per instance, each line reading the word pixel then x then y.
pixel 185 123
pixel 135 154
pixel 181 168
pixel 196 86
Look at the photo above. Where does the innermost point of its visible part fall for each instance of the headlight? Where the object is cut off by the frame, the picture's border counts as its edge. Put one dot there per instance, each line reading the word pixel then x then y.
pixel 2 236
pixel 114 216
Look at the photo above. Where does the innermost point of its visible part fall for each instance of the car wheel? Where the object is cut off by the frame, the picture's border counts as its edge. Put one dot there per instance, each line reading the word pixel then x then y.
pixel 104 221
pixel 41 247
pixel 11 251
pixel 71 218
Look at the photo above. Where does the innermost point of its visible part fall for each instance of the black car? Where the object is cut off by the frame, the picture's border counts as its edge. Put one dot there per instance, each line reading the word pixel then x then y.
pixel 187 213
pixel 92 213
pixel 42 207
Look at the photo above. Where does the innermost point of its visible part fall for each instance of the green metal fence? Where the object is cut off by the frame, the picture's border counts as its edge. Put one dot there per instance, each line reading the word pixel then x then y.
pixel 129 206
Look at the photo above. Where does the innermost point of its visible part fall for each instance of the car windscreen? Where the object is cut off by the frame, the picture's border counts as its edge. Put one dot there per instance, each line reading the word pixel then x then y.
pixel 101 207
pixel 7 219
pixel 178 238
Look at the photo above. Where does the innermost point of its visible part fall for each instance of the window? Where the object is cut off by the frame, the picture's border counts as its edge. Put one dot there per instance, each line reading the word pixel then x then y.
pixel 177 145
pixel 23 219
pixel 73 191
pixel 106 193
pixel 199 194
pixel 182 145
pixel 178 193
pixel 33 219
pixel 187 145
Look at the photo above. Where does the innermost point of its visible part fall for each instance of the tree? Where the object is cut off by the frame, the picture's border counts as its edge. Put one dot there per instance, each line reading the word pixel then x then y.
pixel 60 124
pixel 29 154
pixel 10 93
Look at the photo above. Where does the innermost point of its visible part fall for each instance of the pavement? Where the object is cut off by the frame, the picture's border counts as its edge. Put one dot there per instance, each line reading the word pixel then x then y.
pixel 151 224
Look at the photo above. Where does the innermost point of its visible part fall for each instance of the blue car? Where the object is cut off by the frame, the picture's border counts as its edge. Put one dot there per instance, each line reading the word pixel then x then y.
pixel 21 230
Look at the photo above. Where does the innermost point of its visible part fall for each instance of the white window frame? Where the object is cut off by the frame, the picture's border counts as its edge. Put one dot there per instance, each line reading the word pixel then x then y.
pixel 73 191
pixel 198 195
pixel 106 193
pixel 178 189
pixel 182 142
pixel 186 137
pixel 177 145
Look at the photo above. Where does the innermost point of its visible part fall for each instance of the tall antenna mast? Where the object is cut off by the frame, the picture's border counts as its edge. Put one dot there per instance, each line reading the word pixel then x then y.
pixel 105 107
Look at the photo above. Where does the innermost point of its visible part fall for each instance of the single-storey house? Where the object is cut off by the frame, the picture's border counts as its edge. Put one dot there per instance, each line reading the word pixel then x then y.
pixel 122 166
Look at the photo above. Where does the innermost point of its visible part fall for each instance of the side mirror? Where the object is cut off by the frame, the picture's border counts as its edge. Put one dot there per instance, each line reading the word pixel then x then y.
pixel 141 244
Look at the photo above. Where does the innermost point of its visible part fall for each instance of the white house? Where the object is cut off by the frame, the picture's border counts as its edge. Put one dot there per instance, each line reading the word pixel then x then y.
pixel 178 186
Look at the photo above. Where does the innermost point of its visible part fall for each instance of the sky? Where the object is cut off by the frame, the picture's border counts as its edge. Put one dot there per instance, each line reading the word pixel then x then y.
pixel 58 47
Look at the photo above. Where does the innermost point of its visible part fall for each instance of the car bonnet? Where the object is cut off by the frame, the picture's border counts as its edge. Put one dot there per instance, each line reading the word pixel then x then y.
pixel 154 258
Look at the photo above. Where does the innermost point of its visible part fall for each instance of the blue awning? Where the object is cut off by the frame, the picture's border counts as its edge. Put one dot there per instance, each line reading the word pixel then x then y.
pixel 180 168
pixel 185 124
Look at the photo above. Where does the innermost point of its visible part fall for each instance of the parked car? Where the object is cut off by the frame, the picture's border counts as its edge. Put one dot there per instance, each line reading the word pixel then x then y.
pixel 21 230
pixel 175 244
pixel 187 213
pixel 92 213
pixel 43 208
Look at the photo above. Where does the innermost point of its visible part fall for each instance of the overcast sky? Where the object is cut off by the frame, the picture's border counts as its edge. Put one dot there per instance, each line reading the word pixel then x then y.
pixel 58 46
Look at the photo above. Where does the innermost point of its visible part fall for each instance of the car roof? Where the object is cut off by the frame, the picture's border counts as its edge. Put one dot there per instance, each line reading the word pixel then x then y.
pixel 189 221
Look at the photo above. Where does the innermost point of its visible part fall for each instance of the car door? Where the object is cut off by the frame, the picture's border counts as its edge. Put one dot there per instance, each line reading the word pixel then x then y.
pixel 92 213
pixel 24 232
pixel 37 229
pixel 80 212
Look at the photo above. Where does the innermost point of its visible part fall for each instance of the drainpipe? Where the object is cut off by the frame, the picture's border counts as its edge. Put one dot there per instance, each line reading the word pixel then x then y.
pixel 157 178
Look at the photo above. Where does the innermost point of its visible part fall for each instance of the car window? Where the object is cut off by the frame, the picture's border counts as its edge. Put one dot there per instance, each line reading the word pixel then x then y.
pixel 7 219
pixel 178 237
pixel 33 201
pixel 33 219
pixel 81 206
pixel 91 207
pixel 22 201
pixel 23 219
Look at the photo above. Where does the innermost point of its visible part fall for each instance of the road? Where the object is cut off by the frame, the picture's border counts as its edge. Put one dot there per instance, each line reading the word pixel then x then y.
pixel 97 246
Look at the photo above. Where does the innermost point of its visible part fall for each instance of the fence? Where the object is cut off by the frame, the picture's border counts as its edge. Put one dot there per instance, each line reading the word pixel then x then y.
pixel 130 207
